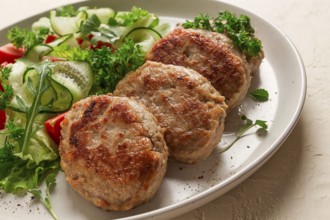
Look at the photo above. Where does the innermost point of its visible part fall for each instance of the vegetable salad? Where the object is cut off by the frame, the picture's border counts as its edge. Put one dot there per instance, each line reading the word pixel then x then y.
pixel 61 59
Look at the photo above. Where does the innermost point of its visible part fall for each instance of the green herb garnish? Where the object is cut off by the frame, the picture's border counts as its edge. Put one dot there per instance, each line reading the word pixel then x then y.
pixel 24 38
pixel 260 95
pixel 66 11
pixel 7 94
pixel 90 25
pixel 110 67
pixel 248 124
pixel 201 21
pixel 101 33
pixel 67 52
pixel 238 29
pixel 130 17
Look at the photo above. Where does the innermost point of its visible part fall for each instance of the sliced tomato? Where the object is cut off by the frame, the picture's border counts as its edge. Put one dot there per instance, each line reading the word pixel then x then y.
pixel 1 88
pixel 53 127
pixel 4 64
pixel 80 41
pixel 2 114
pixel 52 59
pixel 9 53
pixel 50 38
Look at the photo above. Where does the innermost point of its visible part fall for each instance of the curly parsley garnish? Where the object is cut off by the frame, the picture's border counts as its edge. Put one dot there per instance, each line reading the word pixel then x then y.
pixel 130 17
pixel 66 11
pixel 24 38
pixel 110 67
pixel 238 29
pixel 7 94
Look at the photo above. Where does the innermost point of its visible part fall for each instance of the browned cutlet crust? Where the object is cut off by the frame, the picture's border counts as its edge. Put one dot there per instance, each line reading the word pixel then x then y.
pixel 186 105
pixel 112 152
pixel 212 55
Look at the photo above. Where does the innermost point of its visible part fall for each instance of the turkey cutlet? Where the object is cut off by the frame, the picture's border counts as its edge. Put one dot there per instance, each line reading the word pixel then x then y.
pixel 211 54
pixel 112 152
pixel 186 105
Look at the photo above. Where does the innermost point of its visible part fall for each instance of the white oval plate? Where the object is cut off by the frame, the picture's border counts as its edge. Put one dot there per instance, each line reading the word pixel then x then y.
pixel 186 187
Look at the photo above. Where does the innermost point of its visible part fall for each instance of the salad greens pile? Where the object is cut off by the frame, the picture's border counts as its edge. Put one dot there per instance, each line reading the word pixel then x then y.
pixel 27 155
pixel 68 56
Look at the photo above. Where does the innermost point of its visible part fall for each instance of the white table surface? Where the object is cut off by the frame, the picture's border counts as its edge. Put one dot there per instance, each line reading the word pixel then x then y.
pixel 295 182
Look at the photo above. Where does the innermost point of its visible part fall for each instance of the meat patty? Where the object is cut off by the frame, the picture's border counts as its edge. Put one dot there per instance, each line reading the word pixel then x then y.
pixel 186 105
pixel 212 55
pixel 112 152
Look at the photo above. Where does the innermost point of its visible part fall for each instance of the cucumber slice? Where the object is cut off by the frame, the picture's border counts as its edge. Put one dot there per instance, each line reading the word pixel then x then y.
pixel 144 36
pixel 36 53
pixel 66 25
pixel 74 75
pixel 163 28
pixel 70 39
pixel 56 99
pixel 43 22
pixel 60 40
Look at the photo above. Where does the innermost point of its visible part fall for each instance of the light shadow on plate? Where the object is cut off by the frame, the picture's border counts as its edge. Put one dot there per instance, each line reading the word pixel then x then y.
pixel 259 196
pixel 255 81
pixel 233 120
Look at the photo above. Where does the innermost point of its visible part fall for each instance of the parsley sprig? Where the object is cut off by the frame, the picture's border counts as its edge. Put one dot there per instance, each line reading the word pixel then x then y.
pixel 26 39
pixel 7 94
pixel 66 11
pixel 110 67
pixel 130 17
pixel 238 29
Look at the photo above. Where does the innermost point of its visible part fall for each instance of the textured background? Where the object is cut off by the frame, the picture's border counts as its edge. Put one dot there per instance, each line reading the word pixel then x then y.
pixel 295 182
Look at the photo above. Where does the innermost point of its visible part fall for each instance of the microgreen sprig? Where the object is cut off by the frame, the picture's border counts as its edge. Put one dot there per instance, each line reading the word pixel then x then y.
pixel 248 124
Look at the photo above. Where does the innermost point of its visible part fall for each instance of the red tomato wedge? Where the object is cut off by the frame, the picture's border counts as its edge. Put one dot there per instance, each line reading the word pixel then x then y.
pixel 53 127
pixel 4 64
pixel 9 53
pixel 2 114
pixel 50 38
